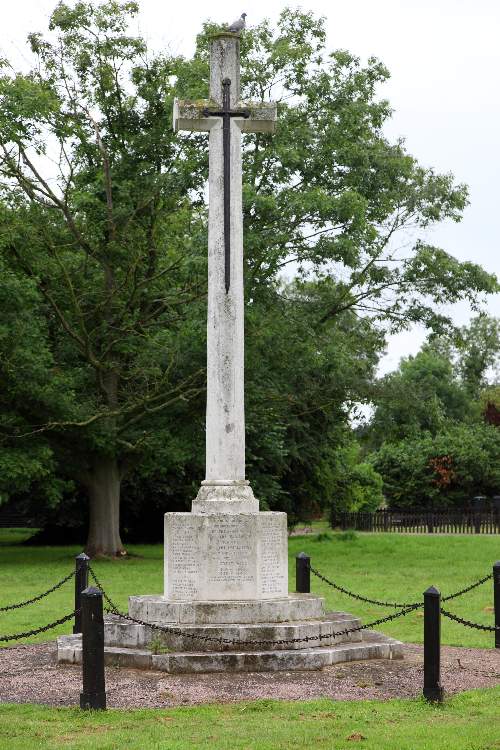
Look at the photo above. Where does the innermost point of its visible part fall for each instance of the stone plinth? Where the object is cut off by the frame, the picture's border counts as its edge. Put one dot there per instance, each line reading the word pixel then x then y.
pixel 161 611
pixel 225 556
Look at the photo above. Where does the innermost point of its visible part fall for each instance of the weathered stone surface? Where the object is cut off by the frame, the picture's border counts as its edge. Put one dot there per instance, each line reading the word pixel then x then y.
pixel 224 556
pixel 247 637
pixel 377 646
pixel 159 610
pixel 225 497
pixel 188 115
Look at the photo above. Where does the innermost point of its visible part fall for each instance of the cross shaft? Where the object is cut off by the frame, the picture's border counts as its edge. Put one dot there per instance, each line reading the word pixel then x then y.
pixel 226 113
pixel 225 118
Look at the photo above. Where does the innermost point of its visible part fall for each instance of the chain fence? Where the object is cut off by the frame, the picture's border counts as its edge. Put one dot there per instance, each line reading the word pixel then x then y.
pixel 403 607
pixel 467 588
pixel 359 597
pixel 36 631
pixel 396 605
pixel 113 609
pixel 468 623
pixel 39 596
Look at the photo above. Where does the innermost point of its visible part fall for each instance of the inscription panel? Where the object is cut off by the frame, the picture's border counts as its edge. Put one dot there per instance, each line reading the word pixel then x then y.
pixel 231 554
pixel 273 563
pixel 183 557
pixel 222 556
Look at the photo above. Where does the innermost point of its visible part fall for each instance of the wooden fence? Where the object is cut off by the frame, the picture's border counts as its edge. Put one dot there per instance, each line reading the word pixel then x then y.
pixel 421 522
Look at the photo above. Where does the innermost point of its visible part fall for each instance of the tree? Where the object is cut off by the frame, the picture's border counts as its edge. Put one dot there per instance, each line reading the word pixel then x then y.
pixel 422 395
pixel 444 470
pixel 478 353
pixel 108 238
pixel 430 426
pixel 355 484
pixel 103 212
pixel 444 382
pixel 331 195
pixel 301 384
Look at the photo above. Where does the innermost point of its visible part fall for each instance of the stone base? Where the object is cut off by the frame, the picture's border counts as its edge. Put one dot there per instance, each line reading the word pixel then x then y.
pixel 298 616
pixel 249 637
pixel 373 646
pixel 225 556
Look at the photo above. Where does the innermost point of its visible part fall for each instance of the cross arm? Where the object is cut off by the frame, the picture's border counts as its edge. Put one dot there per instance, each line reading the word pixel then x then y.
pixel 189 115
pixel 262 119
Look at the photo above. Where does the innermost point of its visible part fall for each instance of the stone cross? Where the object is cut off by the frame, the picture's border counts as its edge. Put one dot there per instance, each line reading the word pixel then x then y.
pixel 225 117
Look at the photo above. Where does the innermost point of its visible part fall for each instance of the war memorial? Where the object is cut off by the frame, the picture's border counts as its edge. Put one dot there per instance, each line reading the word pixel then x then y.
pixel 226 604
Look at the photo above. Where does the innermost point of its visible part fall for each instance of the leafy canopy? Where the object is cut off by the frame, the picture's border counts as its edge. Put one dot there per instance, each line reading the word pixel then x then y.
pixel 103 235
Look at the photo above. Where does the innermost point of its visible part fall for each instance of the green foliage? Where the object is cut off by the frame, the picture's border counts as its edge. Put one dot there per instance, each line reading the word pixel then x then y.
pixel 433 427
pixel 355 484
pixel 478 353
pixel 439 471
pixel 422 395
pixel 108 253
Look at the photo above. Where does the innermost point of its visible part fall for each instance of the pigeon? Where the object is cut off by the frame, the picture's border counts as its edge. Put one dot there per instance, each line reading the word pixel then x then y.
pixel 238 25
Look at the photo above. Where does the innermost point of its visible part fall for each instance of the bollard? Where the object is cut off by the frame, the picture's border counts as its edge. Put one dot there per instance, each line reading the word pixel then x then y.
pixel 302 574
pixel 81 583
pixel 93 694
pixel 496 600
pixel 495 503
pixel 432 645
pixel 478 506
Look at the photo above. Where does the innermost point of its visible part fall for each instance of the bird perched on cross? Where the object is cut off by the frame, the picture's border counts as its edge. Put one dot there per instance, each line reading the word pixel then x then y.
pixel 238 25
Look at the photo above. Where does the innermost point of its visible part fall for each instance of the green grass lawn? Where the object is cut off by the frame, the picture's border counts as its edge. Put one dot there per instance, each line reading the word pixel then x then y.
pixel 386 566
pixel 466 722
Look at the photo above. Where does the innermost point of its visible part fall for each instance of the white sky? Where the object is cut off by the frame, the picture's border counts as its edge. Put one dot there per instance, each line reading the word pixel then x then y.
pixel 444 59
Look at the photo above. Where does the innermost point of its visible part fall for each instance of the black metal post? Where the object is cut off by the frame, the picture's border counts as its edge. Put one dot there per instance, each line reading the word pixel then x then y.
pixel 496 600
pixel 302 573
pixel 433 690
pixel 81 583
pixel 93 694
pixel 495 501
pixel 478 504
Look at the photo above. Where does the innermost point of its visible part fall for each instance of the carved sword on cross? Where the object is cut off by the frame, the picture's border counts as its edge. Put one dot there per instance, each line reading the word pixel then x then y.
pixel 248 117
pixel 226 113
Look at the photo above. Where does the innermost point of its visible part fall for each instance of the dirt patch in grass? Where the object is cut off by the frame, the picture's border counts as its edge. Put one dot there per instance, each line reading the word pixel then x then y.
pixel 30 674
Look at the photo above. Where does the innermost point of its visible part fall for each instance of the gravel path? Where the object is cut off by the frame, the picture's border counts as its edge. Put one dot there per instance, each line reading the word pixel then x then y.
pixel 29 674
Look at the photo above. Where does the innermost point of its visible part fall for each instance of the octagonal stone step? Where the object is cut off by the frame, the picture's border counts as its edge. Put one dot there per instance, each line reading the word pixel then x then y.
pixel 124 634
pixel 373 646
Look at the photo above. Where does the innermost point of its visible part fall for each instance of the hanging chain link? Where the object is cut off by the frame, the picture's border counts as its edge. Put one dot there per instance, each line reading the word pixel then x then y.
pixel 468 623
pixel 467 588
pixel 40 596
pixel 36 631
pixel 113 609
pixel 396 605
pixel 238 642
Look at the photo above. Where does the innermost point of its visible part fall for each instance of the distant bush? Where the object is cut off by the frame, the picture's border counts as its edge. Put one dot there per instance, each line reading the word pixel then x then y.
pixel 441 471
pixel 355 485
pixel 346 536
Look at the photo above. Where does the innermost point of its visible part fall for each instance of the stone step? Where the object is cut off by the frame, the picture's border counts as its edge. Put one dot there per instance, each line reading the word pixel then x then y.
pixel 125 634
pixel 373 646
pixel 163 611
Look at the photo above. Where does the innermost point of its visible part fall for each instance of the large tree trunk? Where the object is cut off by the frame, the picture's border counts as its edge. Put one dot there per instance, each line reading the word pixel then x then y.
pixel 104 494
